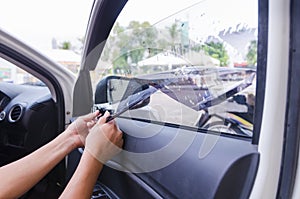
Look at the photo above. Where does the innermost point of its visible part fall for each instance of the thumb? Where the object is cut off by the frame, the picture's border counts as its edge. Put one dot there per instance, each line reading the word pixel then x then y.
pixel 90 116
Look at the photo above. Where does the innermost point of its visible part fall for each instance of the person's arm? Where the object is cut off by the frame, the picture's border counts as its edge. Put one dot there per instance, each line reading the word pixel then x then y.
pixel 103 142
pixel 82 182
pixel 19 176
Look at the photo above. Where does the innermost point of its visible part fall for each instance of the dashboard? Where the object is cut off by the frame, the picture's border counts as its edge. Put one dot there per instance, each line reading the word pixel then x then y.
pixel 28 119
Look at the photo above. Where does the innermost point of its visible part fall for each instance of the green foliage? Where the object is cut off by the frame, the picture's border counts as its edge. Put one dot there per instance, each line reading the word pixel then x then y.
pixel 121 65
pixel 252 53
pixel 174 32
pixel 218 51
pixel 127 45
pixel 66 45
pixel 197 48
pixel 130 45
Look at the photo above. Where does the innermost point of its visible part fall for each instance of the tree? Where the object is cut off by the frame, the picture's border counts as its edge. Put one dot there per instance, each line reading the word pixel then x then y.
pixel 252 53
pixel 66 45
pixel 128 45
pixel 178 32
pixel 173 31
pixel 218 51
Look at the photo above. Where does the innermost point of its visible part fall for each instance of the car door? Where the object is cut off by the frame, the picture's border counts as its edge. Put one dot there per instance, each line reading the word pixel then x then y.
pixel 35 107
pixel 193 61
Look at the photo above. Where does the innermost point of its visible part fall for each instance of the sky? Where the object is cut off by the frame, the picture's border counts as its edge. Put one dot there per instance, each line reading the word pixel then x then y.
pixel 37 22
pixel 238 9
pixel 207 17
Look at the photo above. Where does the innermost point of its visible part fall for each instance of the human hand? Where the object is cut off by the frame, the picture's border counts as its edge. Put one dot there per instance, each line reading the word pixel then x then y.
pixel 79 129
pixel 104 140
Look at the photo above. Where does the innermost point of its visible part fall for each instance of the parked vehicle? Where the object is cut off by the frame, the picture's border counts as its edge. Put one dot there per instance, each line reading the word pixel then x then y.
pixel 239 123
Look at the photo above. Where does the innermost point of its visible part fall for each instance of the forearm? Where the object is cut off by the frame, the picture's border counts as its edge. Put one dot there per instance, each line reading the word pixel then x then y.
pixel 18 177
pixel 82 182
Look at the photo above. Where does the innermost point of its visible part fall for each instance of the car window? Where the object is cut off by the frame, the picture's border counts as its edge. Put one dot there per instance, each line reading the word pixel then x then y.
pixel 10 73
pixel 200 57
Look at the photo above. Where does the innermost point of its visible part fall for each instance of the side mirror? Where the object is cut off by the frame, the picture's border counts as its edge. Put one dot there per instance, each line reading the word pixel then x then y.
pixel 113 89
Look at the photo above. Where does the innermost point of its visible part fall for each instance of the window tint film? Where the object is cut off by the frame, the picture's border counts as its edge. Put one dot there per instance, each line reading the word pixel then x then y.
pixel 193 64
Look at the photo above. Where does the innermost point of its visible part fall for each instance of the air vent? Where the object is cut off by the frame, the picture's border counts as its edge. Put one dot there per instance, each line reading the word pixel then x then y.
pixel 2 115
pixel 15 113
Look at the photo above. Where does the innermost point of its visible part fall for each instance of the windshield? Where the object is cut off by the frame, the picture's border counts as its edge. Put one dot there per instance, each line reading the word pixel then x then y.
pixel 205 54
pixel 10 73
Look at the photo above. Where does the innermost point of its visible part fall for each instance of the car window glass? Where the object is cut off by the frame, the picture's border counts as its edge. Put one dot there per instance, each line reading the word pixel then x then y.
pixel 10 73
pixel 201 57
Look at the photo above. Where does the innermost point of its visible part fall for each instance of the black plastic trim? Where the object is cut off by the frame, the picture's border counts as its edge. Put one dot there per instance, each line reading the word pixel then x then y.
pixel 262 51
pixel 99 28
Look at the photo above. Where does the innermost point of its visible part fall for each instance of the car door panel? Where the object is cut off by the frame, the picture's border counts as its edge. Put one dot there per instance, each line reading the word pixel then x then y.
pixel 227 171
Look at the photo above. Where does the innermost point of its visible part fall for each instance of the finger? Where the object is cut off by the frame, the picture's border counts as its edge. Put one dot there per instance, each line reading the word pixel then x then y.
pixel 102 119
pixel 79 123
pixel 90 116
pixel 91 124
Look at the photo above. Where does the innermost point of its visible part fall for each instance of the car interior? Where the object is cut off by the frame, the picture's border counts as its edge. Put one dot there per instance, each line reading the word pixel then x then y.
pixel 30 117
pixel 192 155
